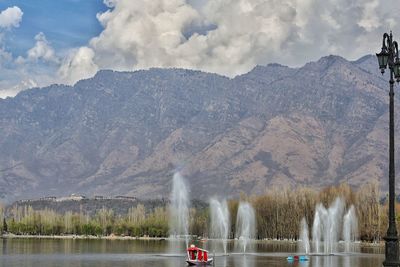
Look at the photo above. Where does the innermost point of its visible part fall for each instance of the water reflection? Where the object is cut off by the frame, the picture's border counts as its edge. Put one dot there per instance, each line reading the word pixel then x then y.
pixel 221 261
pixel 316 261
pixel 331 261
pixel 237 246
pixel 245 261
pixel 346 261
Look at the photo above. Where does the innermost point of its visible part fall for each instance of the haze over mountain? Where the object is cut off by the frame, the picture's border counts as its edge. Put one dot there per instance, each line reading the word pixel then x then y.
pixel 126 133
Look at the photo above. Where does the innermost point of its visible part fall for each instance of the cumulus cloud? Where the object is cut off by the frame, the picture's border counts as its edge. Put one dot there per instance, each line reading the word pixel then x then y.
pixel 5 57
pixel 13 90
pixel 42 50
pixel 370 19
pixel 36 69
pixel 10 17
pixel 140 34
pixel 231 36
pixel 78 65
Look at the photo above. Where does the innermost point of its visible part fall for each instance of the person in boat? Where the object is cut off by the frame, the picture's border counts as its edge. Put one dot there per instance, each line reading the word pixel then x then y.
pixel 192 253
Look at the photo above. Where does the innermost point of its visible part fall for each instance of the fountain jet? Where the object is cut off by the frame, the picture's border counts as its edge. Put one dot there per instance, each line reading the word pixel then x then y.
pixel 245 225
pixel 317 229
pixel 332 226
pixel 220 221
pixel 327 226
pixel 304 240
pixel 179 209
pixel 350 228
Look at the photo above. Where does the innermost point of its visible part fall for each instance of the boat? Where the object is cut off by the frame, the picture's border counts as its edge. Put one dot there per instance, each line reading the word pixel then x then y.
pixel 198 256
pixel 297 258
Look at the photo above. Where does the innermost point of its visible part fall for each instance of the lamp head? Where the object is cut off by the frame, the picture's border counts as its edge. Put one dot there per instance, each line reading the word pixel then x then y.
pixel 383 58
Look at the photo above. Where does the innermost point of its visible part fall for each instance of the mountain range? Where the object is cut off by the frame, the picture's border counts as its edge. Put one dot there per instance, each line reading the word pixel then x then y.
pixel 126 133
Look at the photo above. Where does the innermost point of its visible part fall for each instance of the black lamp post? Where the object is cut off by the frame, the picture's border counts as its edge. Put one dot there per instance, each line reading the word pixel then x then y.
pixel 389 56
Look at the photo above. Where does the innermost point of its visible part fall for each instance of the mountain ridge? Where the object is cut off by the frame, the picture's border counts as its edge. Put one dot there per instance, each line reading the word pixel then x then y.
pixel 125 133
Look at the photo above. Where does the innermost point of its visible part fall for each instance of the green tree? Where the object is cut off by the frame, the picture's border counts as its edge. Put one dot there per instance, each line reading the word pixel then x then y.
pixel 5 227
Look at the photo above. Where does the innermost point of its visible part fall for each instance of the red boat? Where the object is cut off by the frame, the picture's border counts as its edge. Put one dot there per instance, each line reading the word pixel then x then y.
pixel 198 256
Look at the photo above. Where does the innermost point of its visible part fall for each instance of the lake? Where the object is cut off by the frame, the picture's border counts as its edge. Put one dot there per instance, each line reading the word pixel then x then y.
pixel 141 253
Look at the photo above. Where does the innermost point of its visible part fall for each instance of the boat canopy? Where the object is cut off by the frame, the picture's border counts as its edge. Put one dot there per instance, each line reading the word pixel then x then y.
pixel 195 253
pixel 194 248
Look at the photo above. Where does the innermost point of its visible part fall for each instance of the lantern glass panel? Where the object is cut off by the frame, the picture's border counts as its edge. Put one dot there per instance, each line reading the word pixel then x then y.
pixel 396 69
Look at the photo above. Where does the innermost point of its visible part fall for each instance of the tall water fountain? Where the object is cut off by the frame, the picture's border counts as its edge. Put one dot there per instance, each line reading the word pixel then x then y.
pixel 320 212
pixel 220 223
pixel 304 239
pixel 350 228
pixel 179 209
pixel 245 225
pixel 329 223
pixel 333 226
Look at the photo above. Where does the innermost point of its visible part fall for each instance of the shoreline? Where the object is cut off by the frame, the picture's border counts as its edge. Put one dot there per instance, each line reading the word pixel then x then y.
pixel 91 237
pixel 145 238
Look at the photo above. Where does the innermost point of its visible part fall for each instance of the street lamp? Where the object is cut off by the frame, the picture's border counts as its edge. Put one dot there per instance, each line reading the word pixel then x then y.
pixel 389 57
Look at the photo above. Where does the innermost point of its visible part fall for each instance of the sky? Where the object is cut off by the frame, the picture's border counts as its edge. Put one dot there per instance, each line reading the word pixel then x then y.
pixel 62 41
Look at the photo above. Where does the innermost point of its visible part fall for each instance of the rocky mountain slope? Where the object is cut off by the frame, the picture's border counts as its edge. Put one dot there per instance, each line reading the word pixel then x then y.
pixel 125 133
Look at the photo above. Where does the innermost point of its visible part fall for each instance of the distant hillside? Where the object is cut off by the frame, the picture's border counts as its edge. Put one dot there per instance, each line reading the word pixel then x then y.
pixel 125 133
pixel 90 206
pixel 87 206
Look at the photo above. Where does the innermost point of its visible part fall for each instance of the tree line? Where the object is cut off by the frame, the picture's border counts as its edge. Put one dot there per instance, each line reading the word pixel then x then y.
pixel 24 220
pixel 278 215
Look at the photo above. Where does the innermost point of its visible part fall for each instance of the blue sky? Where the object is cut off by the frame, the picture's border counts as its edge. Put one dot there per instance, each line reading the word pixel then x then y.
pixel 65 23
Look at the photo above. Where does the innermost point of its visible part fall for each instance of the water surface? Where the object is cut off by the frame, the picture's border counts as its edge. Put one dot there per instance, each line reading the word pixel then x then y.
pixel 139 253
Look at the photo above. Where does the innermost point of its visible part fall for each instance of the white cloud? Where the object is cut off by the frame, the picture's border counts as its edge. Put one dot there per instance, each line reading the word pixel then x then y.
pixel 38 68
pixel 10 17
pixel 13 90
pixel 231 36
pixel 370 19
pixel 42 50
pixel 78 65
pixel 5 57
pixel 140 34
